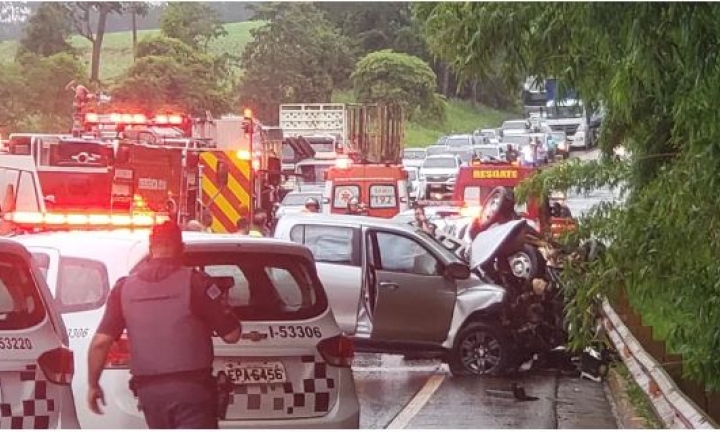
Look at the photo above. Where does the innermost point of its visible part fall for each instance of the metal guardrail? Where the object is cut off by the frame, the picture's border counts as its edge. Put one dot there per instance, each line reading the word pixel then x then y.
pixel 674 408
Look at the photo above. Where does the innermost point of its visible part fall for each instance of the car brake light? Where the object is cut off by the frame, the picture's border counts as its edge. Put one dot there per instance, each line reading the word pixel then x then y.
pixel 337 351
pixel 119 355
pixel 58 365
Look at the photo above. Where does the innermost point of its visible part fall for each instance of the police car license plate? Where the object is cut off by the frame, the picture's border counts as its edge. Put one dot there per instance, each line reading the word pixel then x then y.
pixel 270 372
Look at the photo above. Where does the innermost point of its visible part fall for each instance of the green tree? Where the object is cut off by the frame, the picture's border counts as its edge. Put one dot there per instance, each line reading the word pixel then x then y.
pixel 656 72
pixel 82 21
pixel 33 102
pixel 137 9
pixel 387 76
pixel 298 56
pixel 168 72
pixel 14 97
pixel 47 31
pixel 196 24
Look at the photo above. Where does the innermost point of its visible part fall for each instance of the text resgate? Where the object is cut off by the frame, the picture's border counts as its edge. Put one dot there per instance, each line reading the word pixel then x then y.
pixel 495 174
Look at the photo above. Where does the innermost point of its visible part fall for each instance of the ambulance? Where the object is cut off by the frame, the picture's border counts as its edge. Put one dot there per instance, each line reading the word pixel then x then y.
pixel 372 171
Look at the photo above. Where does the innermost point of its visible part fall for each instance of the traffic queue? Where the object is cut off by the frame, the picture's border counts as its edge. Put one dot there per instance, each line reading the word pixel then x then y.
pixel 141 320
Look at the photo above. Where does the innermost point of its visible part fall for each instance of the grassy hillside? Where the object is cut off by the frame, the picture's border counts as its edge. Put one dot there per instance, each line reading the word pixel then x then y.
pixel 117 47
pixel 462 117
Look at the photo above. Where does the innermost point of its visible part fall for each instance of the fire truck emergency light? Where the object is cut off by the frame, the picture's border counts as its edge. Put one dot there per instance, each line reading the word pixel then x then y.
pixel 248 114
pixel 343 163
pixel 243 155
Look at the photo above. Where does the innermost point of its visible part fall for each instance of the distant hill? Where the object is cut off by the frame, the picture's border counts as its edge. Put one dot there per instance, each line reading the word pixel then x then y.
pixel 117 47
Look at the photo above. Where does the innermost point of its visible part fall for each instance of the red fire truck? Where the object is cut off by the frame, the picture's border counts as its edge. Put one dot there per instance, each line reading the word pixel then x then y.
pixel 476 182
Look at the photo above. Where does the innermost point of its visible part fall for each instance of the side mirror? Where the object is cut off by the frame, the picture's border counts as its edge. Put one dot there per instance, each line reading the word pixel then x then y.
pixel 222 173
pixel 457 271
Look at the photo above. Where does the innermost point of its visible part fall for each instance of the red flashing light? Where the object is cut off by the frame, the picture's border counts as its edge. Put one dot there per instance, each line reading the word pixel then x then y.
pixel 162 119
pixel 343 163
pixel 91 118
pixel 175 119
pixel 256 165
pixel 248 114
pixel 80 220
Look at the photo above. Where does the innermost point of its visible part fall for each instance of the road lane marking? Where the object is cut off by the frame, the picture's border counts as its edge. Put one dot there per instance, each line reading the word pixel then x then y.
pixel 417 403
pixel 396 369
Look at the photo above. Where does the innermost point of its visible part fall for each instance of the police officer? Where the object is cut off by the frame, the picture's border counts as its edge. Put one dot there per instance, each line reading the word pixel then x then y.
pixel 170 313
pixel 311 206
pixel 353 206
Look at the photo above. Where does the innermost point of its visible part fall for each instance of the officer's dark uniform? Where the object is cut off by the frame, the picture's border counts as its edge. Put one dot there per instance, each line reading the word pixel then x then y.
pixel 170 312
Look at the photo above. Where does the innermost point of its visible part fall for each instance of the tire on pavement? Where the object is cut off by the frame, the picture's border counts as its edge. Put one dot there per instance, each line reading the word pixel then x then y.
pixel 481 349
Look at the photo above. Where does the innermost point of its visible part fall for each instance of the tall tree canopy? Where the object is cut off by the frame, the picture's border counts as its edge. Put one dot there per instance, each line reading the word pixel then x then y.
pixel 47 31
pixel 170 73
pixel 656 70
pixel 194 23
pixel 387 76
pixel 298 56
pixel 83 24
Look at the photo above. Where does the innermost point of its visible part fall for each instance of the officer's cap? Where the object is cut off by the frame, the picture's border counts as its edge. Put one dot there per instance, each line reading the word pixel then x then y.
pixel 167 232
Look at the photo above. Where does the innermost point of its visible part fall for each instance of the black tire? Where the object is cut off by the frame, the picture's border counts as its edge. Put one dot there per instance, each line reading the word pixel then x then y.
pixel 532 255
pixel 496 346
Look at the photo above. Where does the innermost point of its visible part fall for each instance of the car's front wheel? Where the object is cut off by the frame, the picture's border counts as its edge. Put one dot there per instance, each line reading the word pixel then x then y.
pixel 480 349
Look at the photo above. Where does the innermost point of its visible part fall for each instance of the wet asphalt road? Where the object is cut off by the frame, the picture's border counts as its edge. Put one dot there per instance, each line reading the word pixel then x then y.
pixel 421 394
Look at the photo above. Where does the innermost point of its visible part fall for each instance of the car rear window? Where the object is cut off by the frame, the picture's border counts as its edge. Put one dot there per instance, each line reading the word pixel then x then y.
pixel 264 287
pixel 82 284
pixel 20 302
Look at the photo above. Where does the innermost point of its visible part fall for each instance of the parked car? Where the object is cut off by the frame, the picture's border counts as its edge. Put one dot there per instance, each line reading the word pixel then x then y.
pixel 290 337
pixel 414 156
pixel 434 150
pixel 440 171
pixel 413 182
pixel 459 141
pixel 514 127
pixel 36 365
pixel 386 279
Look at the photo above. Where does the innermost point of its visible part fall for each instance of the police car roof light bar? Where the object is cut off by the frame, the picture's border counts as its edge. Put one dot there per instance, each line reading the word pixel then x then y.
pixel 77 220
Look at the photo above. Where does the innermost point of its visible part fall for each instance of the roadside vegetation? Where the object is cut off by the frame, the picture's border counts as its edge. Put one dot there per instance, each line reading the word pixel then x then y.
pixel 655 71
pixel 290 53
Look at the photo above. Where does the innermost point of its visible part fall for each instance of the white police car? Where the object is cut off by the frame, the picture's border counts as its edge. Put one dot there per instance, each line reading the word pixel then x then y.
pixel 36 366
pixel 291 367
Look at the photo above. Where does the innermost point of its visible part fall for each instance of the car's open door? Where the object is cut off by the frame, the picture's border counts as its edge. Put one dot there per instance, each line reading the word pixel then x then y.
pixel 412 300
